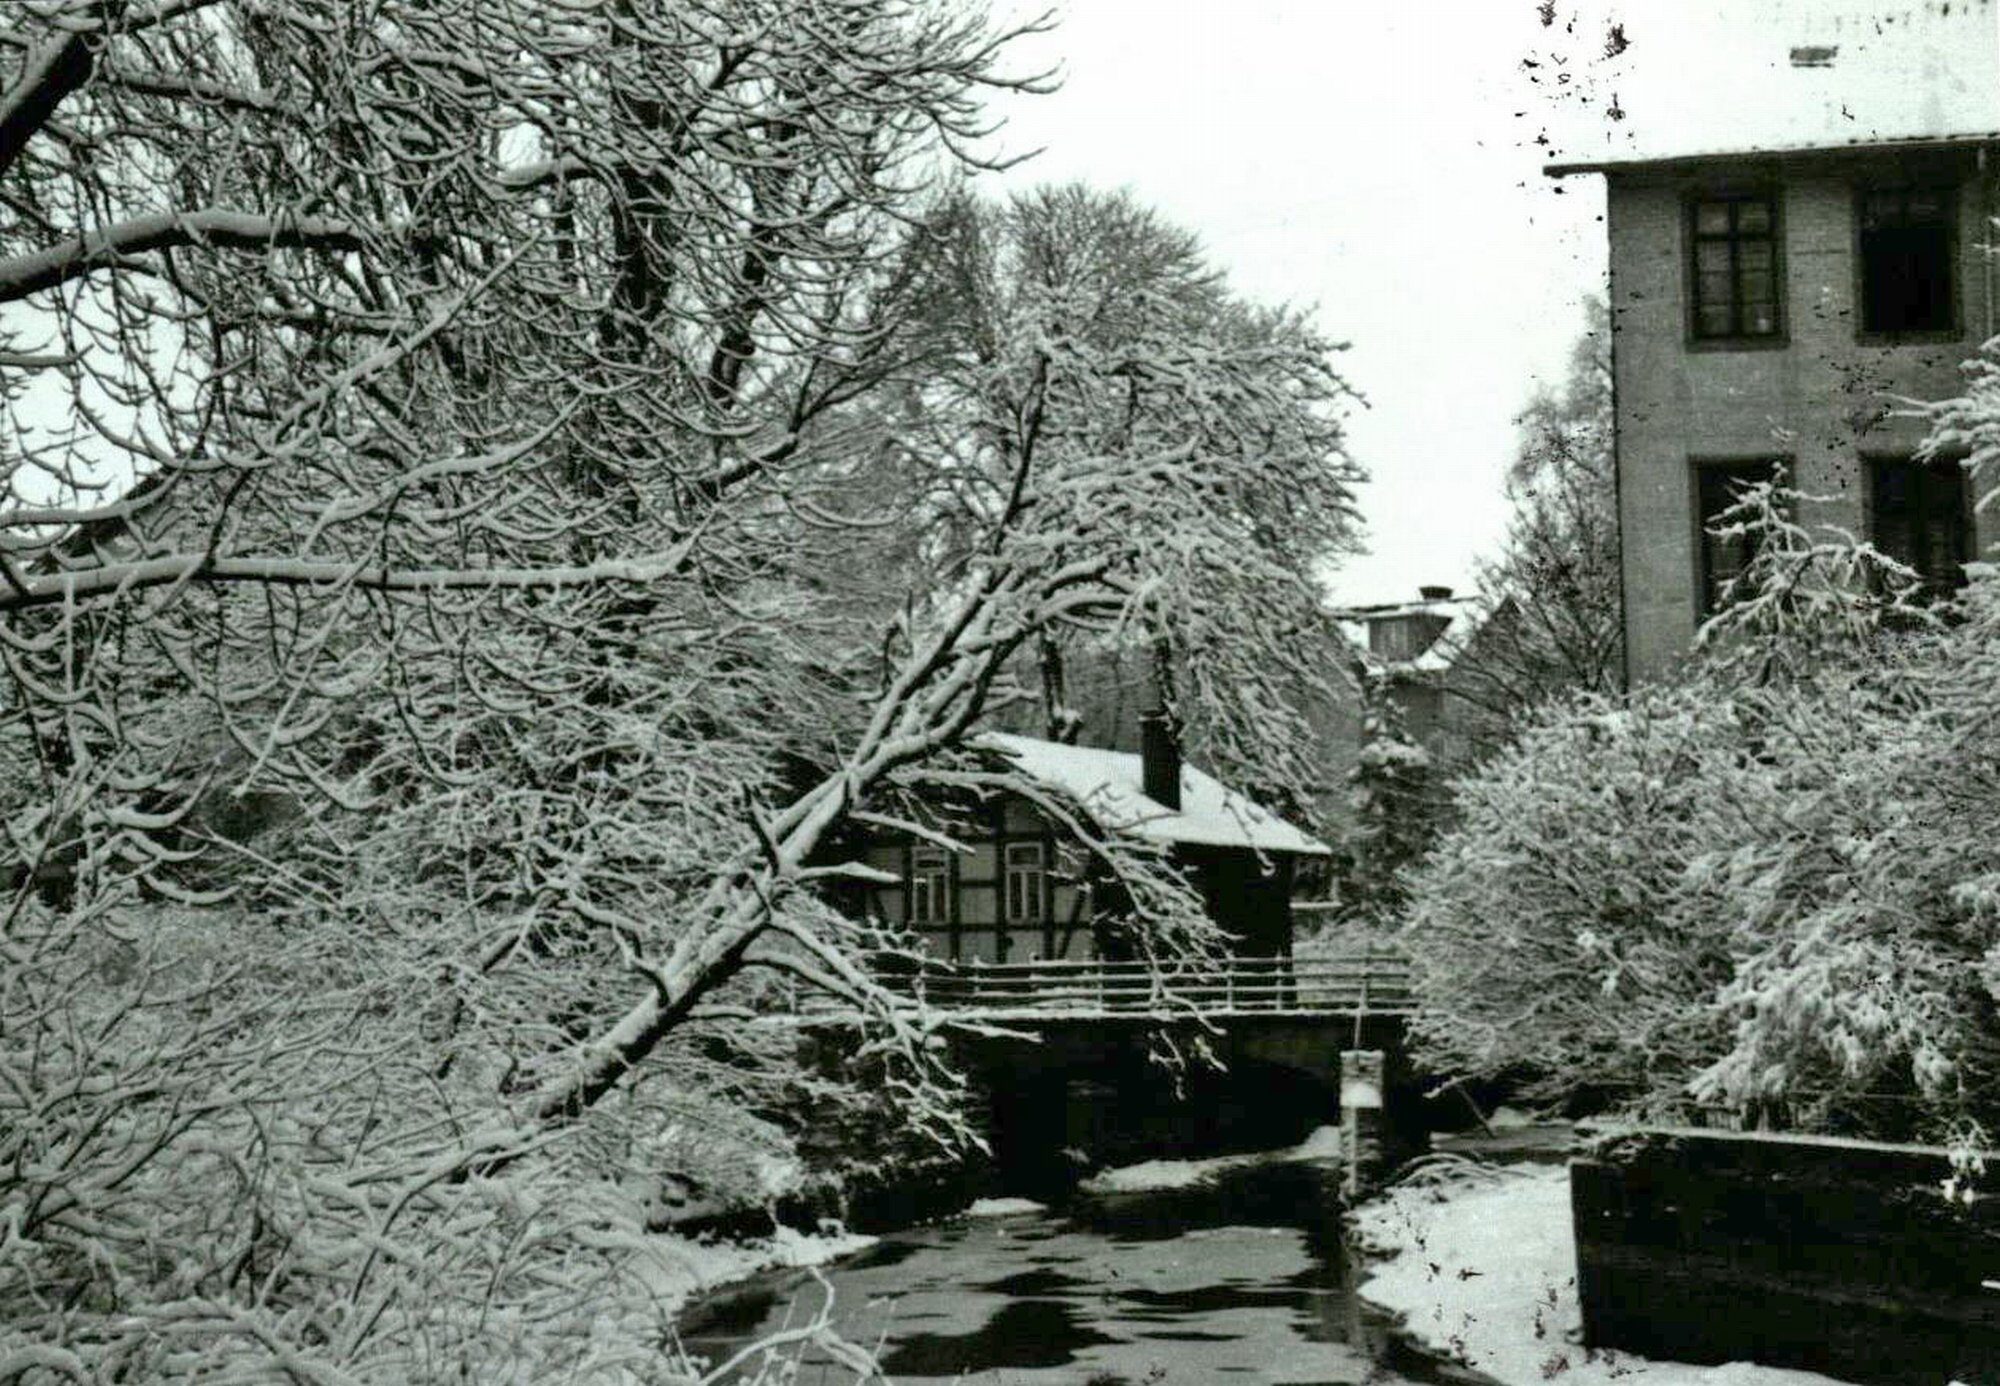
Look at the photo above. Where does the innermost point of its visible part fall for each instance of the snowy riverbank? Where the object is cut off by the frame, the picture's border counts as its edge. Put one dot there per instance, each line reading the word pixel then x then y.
pixel 677 1270
pixel 1482 1267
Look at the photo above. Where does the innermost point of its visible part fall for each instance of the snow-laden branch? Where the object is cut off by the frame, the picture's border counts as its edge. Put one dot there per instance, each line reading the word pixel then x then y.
pixel 115 246
pixel 122 579
pixel 50 71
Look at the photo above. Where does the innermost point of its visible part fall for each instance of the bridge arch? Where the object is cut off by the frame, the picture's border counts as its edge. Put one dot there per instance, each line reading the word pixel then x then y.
pixel 1082 1094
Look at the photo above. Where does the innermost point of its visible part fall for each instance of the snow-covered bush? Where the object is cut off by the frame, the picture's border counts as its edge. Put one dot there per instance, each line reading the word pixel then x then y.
pixel 1545 928
pixel 1768 887
pixel 1866 909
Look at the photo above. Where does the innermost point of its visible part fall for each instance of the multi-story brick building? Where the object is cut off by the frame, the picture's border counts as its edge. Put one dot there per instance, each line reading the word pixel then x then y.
pixel 1800 209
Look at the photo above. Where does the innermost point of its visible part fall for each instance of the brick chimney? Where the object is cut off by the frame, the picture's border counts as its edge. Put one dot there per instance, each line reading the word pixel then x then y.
pixel 1160 758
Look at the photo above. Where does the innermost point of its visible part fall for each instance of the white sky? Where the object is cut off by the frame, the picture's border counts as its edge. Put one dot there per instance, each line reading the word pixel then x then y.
pixel 1381 161
pixel 1378 161
pixel 1367 159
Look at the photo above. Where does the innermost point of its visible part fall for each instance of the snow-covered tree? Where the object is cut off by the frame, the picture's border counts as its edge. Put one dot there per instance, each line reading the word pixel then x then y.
pixel 1556 580
pixel 469 554
pixel 1967 426
pixel 1543 929
pixel 1395 809
pixel 1091 312
pixel 420 418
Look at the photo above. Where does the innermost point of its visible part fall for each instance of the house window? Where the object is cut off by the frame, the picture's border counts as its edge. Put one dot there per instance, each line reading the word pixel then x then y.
pixel 1718 486
pixel 1919 517
pixel 1906 254
pixel 930 886
pixel 1026 871
pixel 1735 280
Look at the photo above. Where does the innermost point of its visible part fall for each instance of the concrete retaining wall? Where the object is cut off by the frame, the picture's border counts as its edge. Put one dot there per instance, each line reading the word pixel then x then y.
pixel 1841 1257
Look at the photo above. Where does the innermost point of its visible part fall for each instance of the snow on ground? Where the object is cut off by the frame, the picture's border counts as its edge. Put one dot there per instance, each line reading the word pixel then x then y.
pixel 1004 1207
pixel 1152 1175
pixel 1485 1269
pixel 676 1269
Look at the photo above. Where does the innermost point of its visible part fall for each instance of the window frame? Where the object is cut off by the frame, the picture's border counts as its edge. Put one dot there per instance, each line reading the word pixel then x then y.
pixel 1692 238
pixel 1700 467
pixel 1035 879
pixel 929 878
pixel 1948 192
pixel 1967 539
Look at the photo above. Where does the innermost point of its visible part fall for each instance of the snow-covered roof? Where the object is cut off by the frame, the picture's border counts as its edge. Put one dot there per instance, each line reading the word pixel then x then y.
pixel 1464 617
pixel 1721 77
pixel 1109 786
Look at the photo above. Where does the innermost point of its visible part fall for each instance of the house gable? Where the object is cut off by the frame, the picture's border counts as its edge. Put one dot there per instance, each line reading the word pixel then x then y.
pixel 1020 887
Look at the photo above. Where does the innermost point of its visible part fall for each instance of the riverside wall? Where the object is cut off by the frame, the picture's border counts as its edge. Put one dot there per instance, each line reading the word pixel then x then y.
pixel 1843 1257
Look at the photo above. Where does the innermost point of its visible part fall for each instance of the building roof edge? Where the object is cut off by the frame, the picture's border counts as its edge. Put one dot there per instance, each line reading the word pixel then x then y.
pixel 1910 143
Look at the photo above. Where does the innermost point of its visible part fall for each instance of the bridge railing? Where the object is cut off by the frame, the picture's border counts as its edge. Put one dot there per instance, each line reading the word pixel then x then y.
pixel 1360 984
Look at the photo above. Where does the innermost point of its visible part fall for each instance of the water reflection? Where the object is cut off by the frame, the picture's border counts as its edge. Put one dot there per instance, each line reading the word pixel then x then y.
pixel 1238 1282
pixel 1025 1333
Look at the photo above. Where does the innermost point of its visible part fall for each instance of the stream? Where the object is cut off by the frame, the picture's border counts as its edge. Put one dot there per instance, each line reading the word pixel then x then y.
pixel 1238 1278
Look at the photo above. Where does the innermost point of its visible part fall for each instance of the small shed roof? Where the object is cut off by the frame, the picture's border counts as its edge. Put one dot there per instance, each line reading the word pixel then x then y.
pixel 1109 786
pixel 1710 78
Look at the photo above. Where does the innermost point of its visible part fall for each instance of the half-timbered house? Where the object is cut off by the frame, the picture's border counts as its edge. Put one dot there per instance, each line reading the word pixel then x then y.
pixel 1022 888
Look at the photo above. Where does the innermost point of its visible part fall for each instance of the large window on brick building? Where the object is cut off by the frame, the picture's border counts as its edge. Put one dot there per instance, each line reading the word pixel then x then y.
pixel 1918 515
pixel 1906 261
pixel 1734 243
pixel 1719 485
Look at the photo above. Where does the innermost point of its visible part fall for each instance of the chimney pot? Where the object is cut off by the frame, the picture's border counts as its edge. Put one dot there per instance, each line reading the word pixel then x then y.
pixel 1160 759
pixel 1434 594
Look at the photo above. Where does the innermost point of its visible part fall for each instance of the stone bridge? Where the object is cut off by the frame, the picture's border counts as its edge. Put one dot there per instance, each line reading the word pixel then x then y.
pixel 1105 1061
